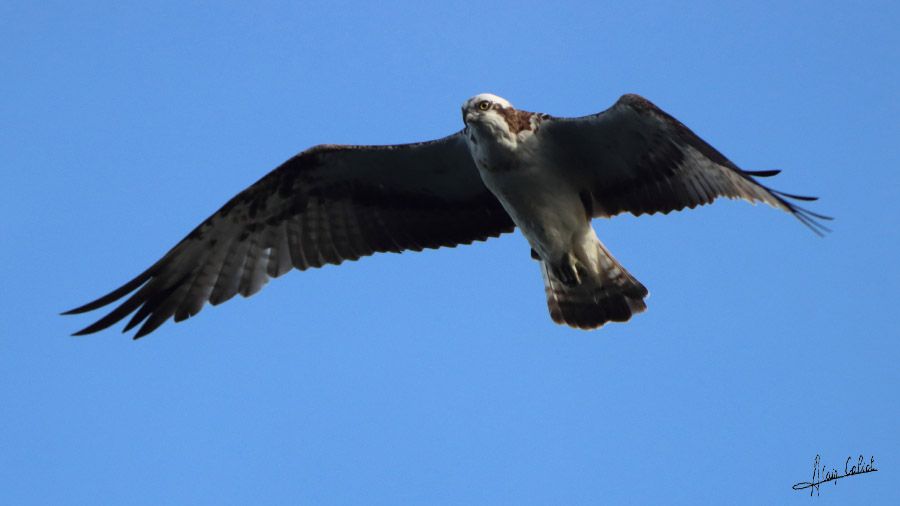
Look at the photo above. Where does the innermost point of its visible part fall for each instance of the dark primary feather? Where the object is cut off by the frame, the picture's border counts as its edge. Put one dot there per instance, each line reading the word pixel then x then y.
pixel 636 158
pixel 324 206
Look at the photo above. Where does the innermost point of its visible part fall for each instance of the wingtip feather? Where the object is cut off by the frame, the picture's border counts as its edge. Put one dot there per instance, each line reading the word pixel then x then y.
pixel 112 296
pixel 763 173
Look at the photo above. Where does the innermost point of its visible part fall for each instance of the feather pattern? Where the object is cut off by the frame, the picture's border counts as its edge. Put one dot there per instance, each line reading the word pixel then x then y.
pixel 636 158
pixel 324 206
pixel 330 204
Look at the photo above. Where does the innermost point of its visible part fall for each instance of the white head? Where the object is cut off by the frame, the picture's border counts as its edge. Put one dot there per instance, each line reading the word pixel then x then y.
pixel 484 107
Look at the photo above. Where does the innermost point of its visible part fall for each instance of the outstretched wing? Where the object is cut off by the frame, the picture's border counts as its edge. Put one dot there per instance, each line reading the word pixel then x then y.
pixel 325 205
pixel 636 158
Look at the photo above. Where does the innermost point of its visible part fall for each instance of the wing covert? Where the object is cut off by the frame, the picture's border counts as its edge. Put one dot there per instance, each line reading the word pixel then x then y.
pixel 636 158
pixel 325 205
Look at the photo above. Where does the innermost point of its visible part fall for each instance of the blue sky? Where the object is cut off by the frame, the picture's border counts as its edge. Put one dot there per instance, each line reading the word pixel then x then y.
pixel 438 378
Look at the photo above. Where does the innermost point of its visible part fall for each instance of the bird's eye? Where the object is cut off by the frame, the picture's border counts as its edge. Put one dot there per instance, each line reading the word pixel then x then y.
pixel 484 105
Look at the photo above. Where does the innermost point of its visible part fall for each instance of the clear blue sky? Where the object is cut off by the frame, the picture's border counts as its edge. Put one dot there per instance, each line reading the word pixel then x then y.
pixel 438 377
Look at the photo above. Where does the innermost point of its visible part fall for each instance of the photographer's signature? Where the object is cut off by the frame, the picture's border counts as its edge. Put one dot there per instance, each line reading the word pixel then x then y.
pixel 822 475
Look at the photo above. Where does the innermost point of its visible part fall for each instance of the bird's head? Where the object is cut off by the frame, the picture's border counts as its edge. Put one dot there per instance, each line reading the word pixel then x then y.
pixel 485 108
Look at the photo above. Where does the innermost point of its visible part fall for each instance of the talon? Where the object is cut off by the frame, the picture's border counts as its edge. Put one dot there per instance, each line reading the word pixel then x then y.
pixel 567 272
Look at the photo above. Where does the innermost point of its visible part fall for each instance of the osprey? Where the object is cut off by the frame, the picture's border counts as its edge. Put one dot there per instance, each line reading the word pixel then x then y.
pixel 507 168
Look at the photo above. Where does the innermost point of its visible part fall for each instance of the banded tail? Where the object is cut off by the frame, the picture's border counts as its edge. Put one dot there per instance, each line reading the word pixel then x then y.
pixel 612 295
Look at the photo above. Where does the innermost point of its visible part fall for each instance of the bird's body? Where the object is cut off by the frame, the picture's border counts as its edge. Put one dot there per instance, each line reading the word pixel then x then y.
pixel 508 168
pixel 549 208
pixel 538 197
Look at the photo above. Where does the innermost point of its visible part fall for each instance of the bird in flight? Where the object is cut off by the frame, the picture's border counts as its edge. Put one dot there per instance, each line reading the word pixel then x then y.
pixel 507 168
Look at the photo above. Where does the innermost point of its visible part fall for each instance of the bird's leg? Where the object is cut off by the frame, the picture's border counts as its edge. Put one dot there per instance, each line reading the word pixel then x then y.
pixel 566 271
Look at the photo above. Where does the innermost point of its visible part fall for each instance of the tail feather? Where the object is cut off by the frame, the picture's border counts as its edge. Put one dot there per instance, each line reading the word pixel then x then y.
pixel 613 295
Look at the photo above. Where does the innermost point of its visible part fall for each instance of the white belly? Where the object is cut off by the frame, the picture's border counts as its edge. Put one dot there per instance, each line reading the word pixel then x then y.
pixel 543 203
pixel 546 209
